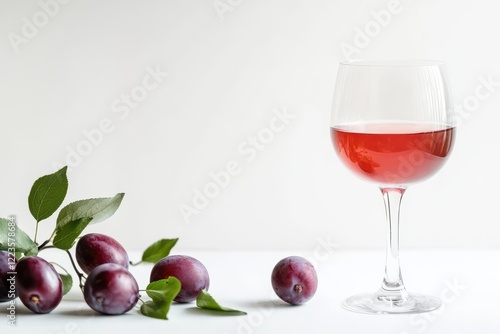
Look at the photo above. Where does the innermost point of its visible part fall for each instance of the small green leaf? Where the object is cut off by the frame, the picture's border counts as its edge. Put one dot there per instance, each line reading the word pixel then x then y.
pixel 158 250
pixel 67 282
pixel 65 236
pixel 154 310
pixel 164 290
pixel 206 301
pixel 98 209
pixel 15 240
pixel 47 194
pixel 162 293
pixel 66 279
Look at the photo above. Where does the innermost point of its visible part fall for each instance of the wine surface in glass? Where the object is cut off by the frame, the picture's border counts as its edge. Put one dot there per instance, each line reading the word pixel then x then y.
pixel 393 153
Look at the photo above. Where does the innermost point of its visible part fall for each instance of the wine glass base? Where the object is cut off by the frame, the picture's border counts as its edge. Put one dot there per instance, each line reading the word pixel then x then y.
pixel 376 304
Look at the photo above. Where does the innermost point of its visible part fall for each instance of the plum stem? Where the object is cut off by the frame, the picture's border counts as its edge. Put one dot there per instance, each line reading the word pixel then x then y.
pixel 43 244
pixel 81 276
pixel 134 264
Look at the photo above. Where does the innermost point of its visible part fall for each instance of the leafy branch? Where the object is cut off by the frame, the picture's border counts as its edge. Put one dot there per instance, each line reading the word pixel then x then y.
pixel 45 198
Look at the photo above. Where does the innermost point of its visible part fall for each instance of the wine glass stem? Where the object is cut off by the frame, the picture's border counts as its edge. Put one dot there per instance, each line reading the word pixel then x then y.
pixel 392 287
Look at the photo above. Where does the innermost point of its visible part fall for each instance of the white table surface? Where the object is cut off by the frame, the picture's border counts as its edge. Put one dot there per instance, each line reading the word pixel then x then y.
pixel 469 280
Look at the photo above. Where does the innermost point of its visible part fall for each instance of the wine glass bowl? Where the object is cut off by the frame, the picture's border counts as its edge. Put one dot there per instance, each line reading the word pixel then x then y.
pixel 391 125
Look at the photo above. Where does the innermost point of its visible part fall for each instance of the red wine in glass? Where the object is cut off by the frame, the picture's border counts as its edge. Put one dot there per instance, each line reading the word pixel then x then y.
pixel 393 153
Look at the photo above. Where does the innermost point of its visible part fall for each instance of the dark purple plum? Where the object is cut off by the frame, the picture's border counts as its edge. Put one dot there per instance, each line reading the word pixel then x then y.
pixel 111 289
pixel 189 271
pixel 7 281
pixel 94 249
pixel 294 280
pixel 38 284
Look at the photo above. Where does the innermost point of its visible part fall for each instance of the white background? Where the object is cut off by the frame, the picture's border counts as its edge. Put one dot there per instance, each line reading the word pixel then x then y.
pixel 228 69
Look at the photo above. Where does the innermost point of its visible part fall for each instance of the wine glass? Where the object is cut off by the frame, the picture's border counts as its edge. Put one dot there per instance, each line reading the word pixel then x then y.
pixel 391 124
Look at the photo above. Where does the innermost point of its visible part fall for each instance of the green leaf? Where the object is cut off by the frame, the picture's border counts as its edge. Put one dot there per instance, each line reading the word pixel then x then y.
pixel 158 250
pixel 67 282
pixel 15 240
pixel 154 310
pixel 65 236
pixel 66 279
pixel 206 301
pixel 98 209
pixel 162 293
pixel 47 194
